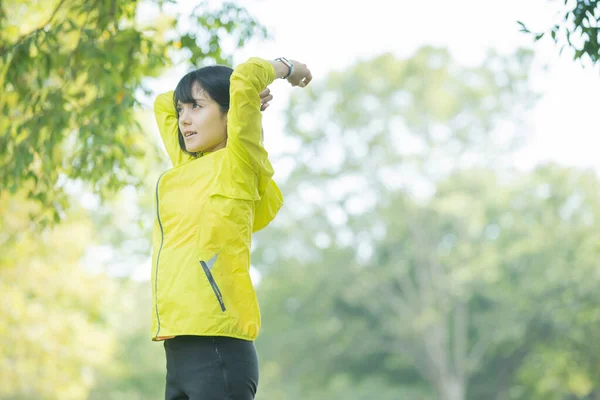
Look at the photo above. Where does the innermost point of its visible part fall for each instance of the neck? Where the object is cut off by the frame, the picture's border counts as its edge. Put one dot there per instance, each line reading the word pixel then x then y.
pixel 216 147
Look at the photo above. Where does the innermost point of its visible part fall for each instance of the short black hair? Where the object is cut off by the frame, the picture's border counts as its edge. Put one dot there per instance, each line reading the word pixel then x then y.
pixel 214 80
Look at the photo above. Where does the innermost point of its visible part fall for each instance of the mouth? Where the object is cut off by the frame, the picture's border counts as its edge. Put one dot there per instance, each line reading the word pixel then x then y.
pixel 188 134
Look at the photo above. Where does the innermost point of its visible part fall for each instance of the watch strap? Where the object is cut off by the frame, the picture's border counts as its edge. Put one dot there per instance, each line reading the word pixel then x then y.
pixel 288 64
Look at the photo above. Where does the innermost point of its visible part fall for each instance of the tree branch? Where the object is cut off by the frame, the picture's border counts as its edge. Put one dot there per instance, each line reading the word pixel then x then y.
pixel 409 291
pixel 423 364
pixel 35 31
pixel 476 354
pixel 461 329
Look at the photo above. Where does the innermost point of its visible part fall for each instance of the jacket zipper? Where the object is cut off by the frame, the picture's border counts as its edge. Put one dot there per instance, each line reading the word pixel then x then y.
pixel 162 239
pixel 213 284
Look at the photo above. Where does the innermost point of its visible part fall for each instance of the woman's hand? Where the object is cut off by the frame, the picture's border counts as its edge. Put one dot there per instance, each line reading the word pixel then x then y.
pixel 301 75
pixel 265 98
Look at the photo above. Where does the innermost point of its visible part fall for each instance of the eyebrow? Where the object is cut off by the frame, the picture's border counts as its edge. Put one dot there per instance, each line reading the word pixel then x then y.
pixel 193 98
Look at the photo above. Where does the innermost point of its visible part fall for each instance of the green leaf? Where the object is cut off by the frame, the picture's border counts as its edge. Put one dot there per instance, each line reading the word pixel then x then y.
pixel 523 27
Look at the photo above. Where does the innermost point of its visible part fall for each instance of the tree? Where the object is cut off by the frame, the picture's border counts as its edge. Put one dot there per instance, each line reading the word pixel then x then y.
pixel 472 290
pixel 549 245
pixel 382 125
pixel 458 291
pixel 71 78
pixel 579 28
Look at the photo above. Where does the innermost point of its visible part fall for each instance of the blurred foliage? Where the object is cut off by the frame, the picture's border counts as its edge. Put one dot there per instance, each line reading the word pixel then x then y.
pixel 124 220
pixel 53 312
pixel 423 114
pixel 137 370
pixel 578 29
pixel 71 74
pixel 69 330
pixel 411 254
pixel 489 284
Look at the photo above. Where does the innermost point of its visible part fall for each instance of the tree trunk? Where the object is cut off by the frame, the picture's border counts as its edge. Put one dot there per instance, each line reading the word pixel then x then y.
pixel 452 389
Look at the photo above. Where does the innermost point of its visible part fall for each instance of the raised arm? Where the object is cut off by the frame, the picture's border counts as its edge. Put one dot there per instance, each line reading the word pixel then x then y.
pixel 244 120
pixel 166 119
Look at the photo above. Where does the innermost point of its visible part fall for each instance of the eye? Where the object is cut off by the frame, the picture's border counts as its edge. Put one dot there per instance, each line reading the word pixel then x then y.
pixel 179 110
pixel 196 105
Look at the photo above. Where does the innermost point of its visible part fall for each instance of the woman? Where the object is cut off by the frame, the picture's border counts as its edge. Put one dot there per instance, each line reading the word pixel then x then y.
pixel 217 194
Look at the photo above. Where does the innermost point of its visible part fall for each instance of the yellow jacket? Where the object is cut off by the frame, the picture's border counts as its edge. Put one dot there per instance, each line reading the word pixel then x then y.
pixel 206 211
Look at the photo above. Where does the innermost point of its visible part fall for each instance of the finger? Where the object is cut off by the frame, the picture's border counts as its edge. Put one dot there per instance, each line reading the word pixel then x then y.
pixel 265 93
pixel 266 99
pixel 264 106
pixel 308 78
pixel 304 82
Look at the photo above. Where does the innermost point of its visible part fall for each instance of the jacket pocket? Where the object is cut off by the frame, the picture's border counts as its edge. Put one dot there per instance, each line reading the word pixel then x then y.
pixel 211 280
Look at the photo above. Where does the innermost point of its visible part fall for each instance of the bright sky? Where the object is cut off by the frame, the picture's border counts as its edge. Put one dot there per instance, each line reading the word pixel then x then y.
pixel 332 34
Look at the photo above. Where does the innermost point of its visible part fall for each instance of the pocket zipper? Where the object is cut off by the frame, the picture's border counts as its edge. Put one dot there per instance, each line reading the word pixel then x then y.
pixel 213 284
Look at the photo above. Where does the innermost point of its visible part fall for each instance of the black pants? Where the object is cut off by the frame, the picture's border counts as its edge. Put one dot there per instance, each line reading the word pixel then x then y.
pixel 210 368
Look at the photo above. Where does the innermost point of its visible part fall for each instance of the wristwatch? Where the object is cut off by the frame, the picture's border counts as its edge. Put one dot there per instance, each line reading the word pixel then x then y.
pixel 288 64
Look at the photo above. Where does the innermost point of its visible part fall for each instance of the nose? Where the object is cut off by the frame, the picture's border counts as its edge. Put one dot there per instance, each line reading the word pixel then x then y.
pixel 184 117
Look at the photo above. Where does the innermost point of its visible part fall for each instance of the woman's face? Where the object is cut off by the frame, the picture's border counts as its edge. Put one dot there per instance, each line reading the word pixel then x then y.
pixel 202 124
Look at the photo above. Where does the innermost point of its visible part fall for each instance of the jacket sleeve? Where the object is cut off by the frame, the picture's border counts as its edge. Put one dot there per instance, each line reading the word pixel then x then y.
pixel 268 206
pixel 166 119
pixel 244 119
